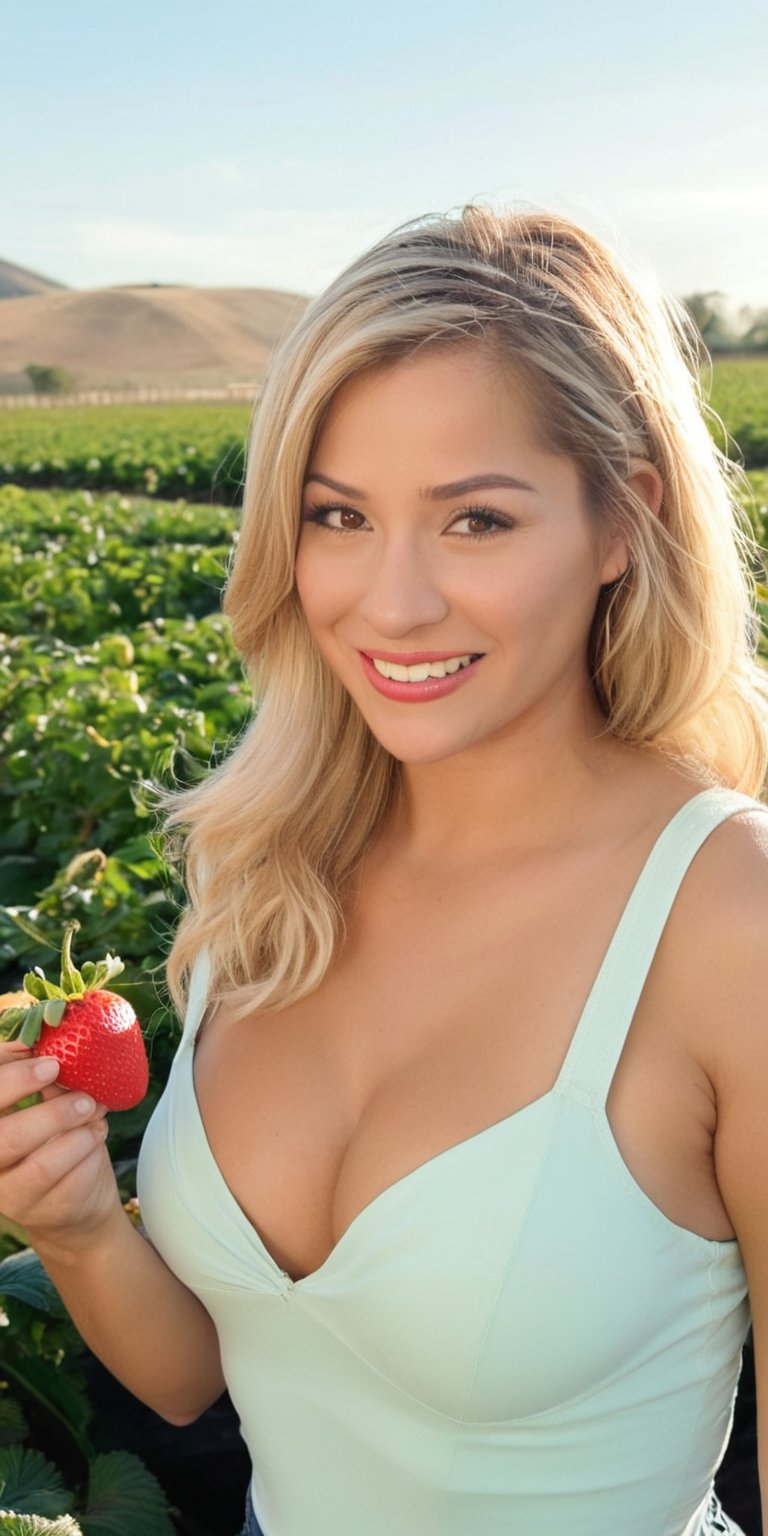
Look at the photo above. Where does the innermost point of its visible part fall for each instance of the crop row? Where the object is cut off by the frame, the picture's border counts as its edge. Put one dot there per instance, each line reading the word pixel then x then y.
pixel 117 671
pixel 168 450
pixel 737 391
pixel 78 565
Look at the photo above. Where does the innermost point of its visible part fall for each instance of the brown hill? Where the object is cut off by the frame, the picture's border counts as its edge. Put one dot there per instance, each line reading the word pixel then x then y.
pixel 116 338
pixel 15 281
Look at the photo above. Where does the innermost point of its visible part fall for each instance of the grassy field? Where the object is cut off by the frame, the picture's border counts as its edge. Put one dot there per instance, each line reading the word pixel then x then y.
pixel 737 390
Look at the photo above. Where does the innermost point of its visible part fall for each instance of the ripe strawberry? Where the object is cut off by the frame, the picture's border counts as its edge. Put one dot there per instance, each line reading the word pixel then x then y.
pixel 94 1034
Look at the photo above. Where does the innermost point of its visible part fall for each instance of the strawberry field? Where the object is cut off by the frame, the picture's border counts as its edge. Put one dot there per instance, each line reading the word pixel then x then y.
pixel 165 450
pixel 117 673
pixel 738 391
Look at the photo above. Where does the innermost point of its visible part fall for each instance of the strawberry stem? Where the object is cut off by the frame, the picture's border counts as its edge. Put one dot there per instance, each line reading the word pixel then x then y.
pixel 71 981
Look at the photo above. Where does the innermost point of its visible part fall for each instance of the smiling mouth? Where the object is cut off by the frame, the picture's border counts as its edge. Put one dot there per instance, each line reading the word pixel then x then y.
pixel 421 671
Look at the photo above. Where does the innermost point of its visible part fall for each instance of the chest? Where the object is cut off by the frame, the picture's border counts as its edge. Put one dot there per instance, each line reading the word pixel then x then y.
pixel 442 1017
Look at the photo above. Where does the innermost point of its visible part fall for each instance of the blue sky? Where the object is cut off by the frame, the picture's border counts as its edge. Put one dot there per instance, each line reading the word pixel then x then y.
pixel 258 145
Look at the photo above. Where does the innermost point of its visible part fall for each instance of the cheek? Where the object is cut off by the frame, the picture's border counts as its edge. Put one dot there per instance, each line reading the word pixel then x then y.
pixel 325 589
pixel 546 600
pixel 512 595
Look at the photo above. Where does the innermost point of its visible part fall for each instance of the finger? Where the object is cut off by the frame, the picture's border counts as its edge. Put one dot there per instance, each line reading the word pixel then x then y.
pixel 21 1075
pixel 31 1193
pixel 85 1186
pixel 23 1133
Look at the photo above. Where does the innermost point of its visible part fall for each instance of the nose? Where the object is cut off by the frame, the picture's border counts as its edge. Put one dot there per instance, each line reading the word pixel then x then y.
pixel 402 592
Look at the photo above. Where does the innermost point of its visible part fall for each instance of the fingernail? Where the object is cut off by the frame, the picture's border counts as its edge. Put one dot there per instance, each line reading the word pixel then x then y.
pixel 46 1069
pixel 84 1106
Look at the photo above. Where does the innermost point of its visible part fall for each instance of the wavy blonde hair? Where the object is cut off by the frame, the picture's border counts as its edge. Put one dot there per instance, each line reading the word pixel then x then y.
pixel 272 836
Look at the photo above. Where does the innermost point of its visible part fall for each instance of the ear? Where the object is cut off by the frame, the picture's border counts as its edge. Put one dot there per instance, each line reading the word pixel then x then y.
pixel 646 483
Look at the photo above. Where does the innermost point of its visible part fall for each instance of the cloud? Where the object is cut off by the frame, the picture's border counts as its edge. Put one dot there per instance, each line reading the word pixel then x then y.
pixel 676 202
pixel 295 249
pixel 225 172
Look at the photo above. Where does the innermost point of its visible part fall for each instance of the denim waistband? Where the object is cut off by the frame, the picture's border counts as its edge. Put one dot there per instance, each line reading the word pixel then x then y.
pixel 251 1527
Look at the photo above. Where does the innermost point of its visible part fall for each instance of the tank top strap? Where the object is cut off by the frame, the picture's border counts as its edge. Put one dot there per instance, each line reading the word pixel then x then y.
pixel 199 982
pixel 594 1052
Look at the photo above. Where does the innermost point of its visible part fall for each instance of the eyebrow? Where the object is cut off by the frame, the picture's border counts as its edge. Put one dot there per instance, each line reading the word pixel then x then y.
pixel 435 492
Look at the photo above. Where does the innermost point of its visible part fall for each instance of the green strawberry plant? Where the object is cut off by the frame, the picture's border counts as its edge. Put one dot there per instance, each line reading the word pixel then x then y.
pixel 111 1492
pixel 169 450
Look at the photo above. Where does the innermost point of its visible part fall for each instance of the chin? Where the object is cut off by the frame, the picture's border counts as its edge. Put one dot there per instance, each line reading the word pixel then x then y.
pixel 411 749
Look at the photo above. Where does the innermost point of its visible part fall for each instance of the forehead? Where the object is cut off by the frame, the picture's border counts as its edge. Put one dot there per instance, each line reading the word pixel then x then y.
pixel 436 385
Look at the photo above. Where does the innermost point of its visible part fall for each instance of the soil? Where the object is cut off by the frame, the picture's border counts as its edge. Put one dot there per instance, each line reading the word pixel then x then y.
pixel 204 1468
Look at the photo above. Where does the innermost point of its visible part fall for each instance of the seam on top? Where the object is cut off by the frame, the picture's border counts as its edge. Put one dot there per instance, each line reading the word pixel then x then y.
pixel 461 1425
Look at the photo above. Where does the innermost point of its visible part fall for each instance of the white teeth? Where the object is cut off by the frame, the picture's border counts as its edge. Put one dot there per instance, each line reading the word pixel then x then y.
pixel 422 670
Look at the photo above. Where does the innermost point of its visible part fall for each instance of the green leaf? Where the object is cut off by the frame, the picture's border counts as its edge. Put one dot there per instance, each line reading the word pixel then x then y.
pixel 34 986
pixel 30 1029
pixel 123 1495
pixel 29 1032
pixel 13 1229
pixel 38 987
pixel 27 926
pixel 54 1010
pixel 31 1484
pixel 13 1423
pixel 22 1276
pixel 61 1392
pixel 37 1525
pixel 10 1018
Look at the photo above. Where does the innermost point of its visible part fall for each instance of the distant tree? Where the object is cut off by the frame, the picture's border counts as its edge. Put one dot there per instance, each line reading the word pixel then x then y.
pixel 48 379
pixel 755 335
pixel 707 312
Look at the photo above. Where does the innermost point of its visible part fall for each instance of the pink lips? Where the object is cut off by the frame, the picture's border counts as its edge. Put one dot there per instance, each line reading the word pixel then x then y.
pixel 416 693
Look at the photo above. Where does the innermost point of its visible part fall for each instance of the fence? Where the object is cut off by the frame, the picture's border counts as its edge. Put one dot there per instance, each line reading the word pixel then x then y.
pixel 146 396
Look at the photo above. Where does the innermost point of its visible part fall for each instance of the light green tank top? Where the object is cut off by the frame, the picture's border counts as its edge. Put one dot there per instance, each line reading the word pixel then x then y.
pixel 511 1340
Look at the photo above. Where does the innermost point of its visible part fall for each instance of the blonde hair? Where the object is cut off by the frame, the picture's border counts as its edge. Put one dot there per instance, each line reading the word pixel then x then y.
pixel 273 835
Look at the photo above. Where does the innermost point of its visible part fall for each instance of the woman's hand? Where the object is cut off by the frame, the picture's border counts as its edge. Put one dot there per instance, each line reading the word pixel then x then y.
pixel 57 1182
pixel 56 1178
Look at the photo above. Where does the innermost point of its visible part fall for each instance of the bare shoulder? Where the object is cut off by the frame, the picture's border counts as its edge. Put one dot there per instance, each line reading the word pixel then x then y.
pixel 722 925
pixel 721 930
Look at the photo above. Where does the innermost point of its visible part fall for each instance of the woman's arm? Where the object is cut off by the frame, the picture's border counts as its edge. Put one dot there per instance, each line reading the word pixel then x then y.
pixel 57 1183
pixel 735 1022
pixel 144 1325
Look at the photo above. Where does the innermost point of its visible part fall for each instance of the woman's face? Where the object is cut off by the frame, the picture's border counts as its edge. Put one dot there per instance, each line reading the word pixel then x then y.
pixel 447 564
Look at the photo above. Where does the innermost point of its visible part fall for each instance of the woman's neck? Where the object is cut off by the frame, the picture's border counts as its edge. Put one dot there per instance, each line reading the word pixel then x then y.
pixel 521 794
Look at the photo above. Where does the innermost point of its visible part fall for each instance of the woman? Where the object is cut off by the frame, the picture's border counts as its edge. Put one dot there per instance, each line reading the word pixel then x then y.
pixel 458 1180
